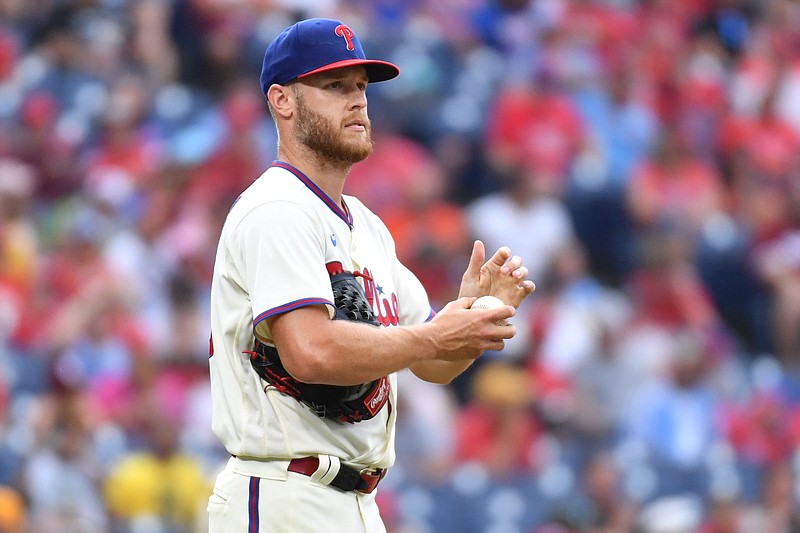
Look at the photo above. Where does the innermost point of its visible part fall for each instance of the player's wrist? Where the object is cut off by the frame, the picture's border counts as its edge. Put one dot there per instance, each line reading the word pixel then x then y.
pixel 421 342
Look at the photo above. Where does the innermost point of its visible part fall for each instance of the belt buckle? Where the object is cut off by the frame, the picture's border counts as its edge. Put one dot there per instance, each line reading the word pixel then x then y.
pixel 369 479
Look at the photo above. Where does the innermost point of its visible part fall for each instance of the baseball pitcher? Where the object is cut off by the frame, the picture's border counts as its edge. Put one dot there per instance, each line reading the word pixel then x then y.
pixel 313 315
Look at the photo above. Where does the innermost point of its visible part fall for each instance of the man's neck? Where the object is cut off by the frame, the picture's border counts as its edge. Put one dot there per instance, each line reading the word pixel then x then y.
pixel 327 175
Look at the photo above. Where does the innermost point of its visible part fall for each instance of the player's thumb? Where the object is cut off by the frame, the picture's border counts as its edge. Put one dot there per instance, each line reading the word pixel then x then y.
pixel 465 302
pixel 476 259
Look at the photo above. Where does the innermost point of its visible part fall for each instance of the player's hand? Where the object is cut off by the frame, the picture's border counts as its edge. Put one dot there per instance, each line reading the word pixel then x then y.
pixel 464 333
pixel 503 276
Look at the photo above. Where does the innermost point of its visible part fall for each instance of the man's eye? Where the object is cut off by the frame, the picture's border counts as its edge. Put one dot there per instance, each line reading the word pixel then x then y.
pixel 336 85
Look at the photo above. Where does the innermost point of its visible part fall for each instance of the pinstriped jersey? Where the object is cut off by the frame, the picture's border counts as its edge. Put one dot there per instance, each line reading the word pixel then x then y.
pixel 275 244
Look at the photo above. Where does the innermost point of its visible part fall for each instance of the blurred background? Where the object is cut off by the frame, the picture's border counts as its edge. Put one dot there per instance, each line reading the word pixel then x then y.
pixel 641 155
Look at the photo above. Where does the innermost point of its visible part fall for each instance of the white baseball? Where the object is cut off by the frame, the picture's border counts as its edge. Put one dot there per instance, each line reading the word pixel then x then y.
pixel 489 302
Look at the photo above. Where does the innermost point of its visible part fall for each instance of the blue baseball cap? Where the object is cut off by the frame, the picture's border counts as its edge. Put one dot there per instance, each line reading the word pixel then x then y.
pixel 317 45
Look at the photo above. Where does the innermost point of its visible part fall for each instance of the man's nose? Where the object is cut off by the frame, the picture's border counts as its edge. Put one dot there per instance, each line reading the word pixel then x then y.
pixel 358 100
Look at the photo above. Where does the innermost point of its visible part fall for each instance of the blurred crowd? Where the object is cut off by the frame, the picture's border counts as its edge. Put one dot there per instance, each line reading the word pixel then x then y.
pixel 643 156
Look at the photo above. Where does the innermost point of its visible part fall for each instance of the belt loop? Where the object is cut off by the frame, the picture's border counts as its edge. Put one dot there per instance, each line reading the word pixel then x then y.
pixel 333 471
pixel 327 470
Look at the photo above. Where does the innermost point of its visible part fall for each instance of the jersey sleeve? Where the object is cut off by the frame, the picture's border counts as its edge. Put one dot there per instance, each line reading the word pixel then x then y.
pixel 283 257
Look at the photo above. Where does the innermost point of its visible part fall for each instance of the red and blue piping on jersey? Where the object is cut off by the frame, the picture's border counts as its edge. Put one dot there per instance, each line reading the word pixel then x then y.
pixel 344 214
pixel 234 203
pixel 303 302
pixel 252 506
pixel 316 301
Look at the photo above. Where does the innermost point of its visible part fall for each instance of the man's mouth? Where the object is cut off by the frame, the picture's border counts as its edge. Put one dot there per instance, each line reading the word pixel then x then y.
pixel 357 125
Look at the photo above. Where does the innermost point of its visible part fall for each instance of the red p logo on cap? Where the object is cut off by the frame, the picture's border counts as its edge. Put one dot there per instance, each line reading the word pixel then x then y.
pixel 345 32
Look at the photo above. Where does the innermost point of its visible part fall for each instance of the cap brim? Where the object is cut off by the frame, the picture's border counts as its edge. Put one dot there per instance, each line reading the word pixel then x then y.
pixel 376 70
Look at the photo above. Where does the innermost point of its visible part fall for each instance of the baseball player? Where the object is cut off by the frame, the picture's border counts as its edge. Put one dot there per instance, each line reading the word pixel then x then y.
pixel 312 313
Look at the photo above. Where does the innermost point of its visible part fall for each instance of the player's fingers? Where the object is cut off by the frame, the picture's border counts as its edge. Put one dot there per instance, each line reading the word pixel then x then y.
pixel 498 317
pixel 508 331
pixel 520 273
pixel 500 257
pixel 501 314
pixel 496 345
pixel 502 332
pixel 528 286
pixel 511 265
pixel 522 291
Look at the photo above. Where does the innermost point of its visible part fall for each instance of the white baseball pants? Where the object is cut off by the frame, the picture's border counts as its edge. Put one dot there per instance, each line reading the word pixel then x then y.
pixel 262 497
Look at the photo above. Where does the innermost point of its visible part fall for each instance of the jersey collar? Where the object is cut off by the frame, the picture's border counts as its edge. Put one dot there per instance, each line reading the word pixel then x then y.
pixel 344 214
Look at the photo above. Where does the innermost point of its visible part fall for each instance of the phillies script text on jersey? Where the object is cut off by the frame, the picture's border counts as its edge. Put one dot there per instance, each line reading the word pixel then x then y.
pixel 386 308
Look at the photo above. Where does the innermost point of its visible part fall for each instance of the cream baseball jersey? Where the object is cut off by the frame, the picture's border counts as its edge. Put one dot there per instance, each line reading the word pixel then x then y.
pixel 276 242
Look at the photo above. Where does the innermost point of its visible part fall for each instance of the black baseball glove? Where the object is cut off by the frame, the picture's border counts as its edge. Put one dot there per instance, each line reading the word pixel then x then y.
pixel 345 404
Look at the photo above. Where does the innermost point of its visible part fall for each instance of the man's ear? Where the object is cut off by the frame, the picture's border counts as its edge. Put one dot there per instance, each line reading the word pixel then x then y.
pixel 281 98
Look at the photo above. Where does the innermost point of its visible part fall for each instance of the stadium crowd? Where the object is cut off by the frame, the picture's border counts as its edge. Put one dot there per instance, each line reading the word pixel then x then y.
pixel 643 156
